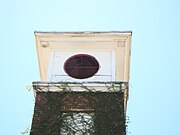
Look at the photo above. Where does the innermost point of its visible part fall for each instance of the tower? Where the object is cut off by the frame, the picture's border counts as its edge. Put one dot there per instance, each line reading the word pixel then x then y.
pixel 84 83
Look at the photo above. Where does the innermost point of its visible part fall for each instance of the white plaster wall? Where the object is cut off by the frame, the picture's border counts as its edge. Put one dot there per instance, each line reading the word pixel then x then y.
pixel 106 61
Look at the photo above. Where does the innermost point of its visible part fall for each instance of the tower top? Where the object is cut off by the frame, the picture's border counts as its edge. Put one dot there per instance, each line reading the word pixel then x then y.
pixel 110 49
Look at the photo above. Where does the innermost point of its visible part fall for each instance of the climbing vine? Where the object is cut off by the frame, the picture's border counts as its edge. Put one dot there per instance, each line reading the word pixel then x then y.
pixel 88 108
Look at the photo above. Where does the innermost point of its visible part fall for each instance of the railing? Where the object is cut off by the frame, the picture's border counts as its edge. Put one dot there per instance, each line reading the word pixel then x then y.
pixel 80 86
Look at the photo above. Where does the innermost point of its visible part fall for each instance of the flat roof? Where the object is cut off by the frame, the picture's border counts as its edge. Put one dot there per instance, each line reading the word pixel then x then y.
pixel 82 32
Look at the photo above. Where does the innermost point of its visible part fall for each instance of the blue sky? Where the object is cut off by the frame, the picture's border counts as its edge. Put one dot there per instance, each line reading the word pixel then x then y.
pixel 153 105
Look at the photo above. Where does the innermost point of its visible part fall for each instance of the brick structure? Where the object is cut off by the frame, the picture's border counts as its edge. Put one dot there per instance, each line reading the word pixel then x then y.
pixel 108 109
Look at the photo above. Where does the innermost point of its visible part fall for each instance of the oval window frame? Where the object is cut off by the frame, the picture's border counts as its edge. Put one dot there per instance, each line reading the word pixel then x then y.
pixel 92 58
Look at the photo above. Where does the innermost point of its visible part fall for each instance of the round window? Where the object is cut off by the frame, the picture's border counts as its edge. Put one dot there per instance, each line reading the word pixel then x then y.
pixel 81 66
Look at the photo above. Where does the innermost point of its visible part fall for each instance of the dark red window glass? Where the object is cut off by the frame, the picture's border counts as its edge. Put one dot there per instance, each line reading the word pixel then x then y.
pixel 81 66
